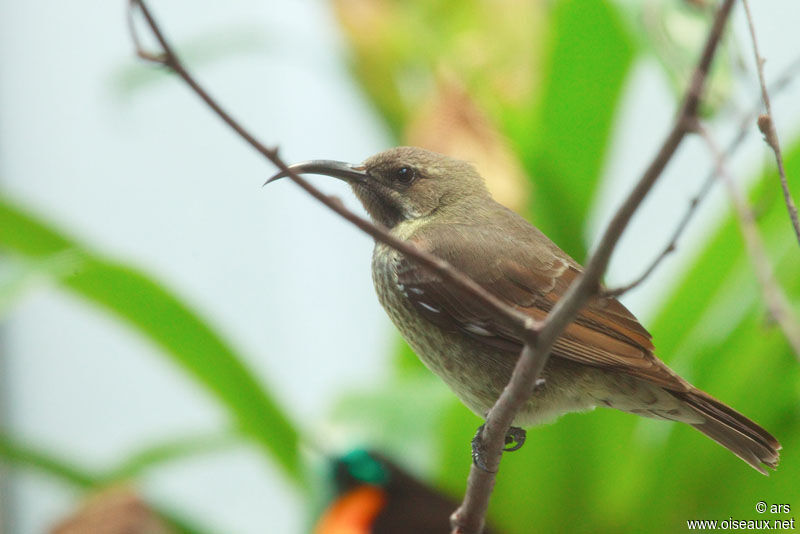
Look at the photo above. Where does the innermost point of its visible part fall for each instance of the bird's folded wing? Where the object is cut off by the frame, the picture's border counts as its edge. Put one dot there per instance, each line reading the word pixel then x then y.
pixel 604 334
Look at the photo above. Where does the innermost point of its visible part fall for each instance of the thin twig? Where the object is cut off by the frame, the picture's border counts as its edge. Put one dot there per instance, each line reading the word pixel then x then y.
pixel 539 339
pixel 469 518
pixel 672 245
pixel 775 299
pixel 526 326
pixel 767 125
pixel 775 88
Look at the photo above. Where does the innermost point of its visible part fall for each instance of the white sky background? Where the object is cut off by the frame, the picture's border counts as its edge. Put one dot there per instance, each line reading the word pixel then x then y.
pixel 152 178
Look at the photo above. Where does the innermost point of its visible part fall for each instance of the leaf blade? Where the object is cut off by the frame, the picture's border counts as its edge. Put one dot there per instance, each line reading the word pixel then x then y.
pixel 180 332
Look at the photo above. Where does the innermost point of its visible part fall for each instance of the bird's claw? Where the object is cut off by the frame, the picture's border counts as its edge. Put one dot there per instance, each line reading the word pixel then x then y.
pixel 515 438
pixel 478 450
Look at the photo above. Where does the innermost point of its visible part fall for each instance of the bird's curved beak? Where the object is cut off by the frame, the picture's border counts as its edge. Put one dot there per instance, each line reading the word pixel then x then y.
pixel 348 172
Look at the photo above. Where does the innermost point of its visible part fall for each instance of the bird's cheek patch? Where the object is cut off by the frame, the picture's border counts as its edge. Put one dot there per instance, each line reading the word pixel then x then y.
pixel 407 208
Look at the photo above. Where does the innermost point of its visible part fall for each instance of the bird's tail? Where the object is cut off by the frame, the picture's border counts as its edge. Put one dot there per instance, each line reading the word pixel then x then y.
pixel 732 430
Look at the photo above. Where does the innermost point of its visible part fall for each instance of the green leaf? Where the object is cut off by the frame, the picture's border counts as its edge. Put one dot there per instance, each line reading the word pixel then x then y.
pixel 170 451
pixel 72 474
pixel 563 138
pixel 714 330
pixel 674 32
pixel 371 417
pixel 83 479
pixel 723 260
pixel 176 521
pixel 160 316
pixel 19 275
pixel 406 362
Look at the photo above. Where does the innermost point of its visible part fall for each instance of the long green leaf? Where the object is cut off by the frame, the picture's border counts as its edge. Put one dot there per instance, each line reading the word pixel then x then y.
pixel 170 451
pixel 18 275
pixel 160 316
pixel 68 472
pixel 714 330
pixel 563 138
pixel 81 478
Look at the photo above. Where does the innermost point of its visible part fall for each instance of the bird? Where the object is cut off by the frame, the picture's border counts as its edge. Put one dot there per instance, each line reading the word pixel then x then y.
pixel 604 357
pixel 374 495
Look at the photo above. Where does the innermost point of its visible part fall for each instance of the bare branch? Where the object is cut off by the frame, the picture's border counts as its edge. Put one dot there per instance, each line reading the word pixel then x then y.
pixel 767 125
pixel 526 326
pixel 776 87
pixel 672 245
pixel 778 305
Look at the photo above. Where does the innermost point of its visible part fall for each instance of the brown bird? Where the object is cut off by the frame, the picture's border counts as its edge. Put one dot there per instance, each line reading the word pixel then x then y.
pixel 604 358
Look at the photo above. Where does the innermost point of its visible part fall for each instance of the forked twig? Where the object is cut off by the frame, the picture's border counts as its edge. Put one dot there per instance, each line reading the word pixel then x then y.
pixel 169 59
pixel 767 125
pixel 777 86
pixel 775 299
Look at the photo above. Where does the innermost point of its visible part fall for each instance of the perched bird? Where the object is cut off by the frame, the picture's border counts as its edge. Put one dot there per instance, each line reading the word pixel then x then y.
pixel 603 358
pixel 373 495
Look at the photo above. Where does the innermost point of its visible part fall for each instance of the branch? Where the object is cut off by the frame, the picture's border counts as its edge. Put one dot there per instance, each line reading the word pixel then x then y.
pixel 526 326
pixel 539 339
pixel 469 518
pixel 776 301
pixel 776 87
pixel 672 245
pixel 767 125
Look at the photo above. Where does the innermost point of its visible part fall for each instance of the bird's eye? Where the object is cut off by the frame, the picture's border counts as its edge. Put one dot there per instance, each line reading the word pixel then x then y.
pixel 405 174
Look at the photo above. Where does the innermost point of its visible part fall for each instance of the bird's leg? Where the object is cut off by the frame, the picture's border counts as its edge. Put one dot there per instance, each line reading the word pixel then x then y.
pixel 515 438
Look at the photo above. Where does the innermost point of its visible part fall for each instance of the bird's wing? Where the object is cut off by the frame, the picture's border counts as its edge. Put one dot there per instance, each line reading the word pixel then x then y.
pixel 532 279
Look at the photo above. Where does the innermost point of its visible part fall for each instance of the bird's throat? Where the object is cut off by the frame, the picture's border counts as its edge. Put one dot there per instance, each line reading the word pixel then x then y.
pixel 382 208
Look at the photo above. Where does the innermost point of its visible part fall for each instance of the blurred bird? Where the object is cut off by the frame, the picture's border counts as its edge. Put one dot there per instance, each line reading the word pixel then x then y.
pixel 603 358
pixel 376 496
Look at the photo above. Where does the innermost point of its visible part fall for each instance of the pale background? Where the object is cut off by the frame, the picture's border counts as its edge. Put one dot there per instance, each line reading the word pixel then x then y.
pixel 150 177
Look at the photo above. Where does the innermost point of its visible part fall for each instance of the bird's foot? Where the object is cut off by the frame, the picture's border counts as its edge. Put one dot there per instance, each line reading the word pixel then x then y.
pixel 478 450
pixel 515 438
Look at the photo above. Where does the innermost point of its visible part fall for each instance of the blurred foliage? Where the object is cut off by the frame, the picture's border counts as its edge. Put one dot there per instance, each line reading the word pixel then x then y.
pixel 547 79
pixel 161 317
pixel 20 275
pixel 673 32
pixel 91 482
pixel 564 141
pixel 129 468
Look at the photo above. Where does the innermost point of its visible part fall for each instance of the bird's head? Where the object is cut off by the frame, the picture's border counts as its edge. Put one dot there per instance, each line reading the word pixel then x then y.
pixel 402 183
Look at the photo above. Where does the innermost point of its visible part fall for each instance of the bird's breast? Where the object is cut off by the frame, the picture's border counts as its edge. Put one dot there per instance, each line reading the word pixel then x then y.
pixel 477 373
